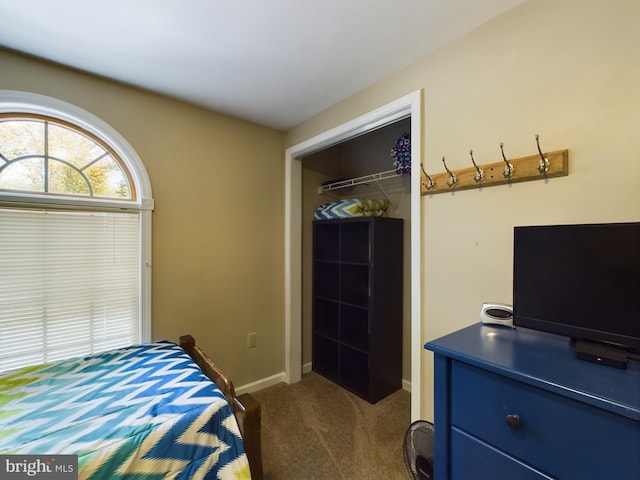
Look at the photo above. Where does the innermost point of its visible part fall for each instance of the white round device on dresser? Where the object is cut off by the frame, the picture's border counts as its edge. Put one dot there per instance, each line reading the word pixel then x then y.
pixel 497 314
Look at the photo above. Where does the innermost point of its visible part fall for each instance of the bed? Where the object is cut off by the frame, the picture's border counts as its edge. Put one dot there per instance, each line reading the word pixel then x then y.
pixel 158 410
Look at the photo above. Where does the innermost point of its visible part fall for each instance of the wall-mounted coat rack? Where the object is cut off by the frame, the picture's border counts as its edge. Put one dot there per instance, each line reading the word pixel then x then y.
pixel 534 167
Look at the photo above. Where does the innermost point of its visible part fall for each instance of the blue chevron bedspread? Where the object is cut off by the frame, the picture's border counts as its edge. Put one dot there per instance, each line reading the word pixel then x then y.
pixel 143 412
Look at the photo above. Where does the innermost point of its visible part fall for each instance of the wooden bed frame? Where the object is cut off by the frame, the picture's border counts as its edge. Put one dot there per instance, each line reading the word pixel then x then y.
pixel 245 407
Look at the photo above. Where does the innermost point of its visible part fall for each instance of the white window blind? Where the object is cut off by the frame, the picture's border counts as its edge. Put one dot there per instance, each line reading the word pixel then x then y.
pixel 69 284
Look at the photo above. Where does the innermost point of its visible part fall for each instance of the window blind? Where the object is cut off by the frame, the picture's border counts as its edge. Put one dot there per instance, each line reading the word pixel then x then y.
pixel 69 284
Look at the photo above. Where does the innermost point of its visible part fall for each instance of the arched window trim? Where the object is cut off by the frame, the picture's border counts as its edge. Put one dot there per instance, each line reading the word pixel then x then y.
pixel 25 102
pixel 12 101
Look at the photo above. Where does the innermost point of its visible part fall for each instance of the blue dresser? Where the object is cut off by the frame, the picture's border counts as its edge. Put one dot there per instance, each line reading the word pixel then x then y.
pixel 515 404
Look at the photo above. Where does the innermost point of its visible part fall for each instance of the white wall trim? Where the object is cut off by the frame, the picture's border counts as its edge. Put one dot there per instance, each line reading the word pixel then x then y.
pixel 409 105
pixel 260 384
pixel 280 378
pixel 293 270
pixel 406 386
pixel 417 334
pixel 27 102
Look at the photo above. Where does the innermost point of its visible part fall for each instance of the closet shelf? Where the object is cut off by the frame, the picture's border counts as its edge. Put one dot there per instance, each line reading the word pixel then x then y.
pixel 374 177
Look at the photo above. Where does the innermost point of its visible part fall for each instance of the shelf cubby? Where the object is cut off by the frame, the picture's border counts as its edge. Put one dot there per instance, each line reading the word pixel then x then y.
pixel 326 312
pixel 354 327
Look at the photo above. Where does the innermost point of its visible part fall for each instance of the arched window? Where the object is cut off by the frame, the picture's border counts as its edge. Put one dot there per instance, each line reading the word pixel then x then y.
pixel 46 155
pixel 75 234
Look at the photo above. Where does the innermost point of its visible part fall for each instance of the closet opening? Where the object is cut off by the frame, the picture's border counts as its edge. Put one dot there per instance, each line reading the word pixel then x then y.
pixel 356 282
pixel 360 148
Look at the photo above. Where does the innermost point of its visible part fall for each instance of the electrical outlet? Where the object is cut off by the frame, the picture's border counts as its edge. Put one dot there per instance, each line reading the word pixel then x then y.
pixel 251 340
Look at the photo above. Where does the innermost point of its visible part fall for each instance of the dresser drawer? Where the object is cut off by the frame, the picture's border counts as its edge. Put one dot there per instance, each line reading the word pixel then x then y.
pixel 473 459
pixel 560 436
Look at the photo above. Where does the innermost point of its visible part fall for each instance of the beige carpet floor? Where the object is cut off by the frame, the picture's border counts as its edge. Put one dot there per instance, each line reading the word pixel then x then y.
pixel 316 430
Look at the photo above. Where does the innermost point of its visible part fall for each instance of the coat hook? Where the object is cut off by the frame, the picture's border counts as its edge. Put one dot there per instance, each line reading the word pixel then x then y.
pixel 543 164
pixel 509 169
pixel 430 184
pixel 479 175
pixel 452 180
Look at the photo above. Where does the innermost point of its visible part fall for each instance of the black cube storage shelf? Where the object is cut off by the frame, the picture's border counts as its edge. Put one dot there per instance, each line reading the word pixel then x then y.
pixel 357 304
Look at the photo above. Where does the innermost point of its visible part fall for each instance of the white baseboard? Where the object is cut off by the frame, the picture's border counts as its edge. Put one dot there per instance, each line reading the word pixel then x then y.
pixel 260 384
pixel 279 377
pixel 406 385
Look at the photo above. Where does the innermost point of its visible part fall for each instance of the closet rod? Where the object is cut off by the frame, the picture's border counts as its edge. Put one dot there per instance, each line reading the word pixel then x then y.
pixel 357 181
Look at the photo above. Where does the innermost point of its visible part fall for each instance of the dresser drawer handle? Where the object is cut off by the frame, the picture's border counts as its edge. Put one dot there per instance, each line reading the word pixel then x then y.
pixel 515 422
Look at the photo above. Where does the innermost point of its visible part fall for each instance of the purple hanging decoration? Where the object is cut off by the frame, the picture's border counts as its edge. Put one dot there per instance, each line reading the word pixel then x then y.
pixel 401 154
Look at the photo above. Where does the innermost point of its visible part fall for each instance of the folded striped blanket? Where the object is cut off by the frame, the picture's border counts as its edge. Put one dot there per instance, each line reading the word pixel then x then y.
pixel 351 207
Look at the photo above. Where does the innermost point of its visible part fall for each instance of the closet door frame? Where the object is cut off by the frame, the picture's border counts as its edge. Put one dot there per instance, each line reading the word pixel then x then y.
pixel 407 106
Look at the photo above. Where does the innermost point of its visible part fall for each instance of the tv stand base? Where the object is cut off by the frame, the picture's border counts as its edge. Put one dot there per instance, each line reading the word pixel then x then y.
pixel 600 353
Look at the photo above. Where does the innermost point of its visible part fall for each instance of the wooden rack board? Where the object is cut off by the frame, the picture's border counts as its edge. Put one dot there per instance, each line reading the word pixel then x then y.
pixel 524 169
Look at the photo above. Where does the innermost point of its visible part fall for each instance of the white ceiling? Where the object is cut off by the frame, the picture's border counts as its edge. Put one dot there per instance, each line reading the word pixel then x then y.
pixel 273 62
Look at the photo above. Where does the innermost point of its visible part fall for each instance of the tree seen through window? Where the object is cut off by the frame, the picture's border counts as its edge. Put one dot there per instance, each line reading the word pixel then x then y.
pixel 38 154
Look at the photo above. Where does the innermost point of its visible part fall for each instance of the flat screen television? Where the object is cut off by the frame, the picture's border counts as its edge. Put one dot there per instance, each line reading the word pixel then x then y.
pixel 583 282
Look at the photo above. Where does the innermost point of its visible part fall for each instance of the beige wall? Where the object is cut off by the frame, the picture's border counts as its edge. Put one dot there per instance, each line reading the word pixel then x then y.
pixel 564 69
pixel 217 226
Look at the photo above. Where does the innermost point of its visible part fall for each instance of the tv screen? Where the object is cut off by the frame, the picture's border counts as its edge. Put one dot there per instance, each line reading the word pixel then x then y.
pixel 580 281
